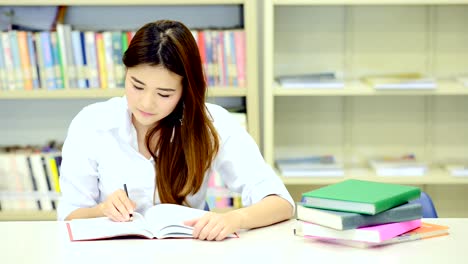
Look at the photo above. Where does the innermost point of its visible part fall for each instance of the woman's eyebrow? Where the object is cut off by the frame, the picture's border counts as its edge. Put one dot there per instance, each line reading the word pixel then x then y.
pixel 166 89
pixel 136 80
pixel 159 88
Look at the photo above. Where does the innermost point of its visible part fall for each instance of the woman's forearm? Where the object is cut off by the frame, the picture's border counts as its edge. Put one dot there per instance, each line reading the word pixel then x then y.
pixel 269 210
pixel 91 212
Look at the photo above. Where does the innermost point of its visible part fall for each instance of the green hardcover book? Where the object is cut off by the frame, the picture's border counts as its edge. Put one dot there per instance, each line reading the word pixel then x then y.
pixel 358 196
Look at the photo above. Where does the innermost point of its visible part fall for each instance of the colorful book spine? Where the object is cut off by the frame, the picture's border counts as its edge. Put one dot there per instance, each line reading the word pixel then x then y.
pixel 33 61
pixel 108 58
pixel 101 61
pixel 8 56
pixel 85 61
pixel 40 60
pixel 56 58
pixel 92 59
pixel 231 57
pixel 71 64
pixel 19 81
pixel 119 70
pixel 25 60
pixel 64 61
pixel 202 50
pixel 239 37
pixel 49 72
pixel 3 72
pixel 78 59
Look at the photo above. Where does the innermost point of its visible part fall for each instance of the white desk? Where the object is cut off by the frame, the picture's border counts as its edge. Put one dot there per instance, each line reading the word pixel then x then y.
pixel 48 242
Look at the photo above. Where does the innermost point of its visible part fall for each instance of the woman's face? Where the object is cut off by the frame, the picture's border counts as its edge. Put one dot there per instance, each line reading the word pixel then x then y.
pixel 152 93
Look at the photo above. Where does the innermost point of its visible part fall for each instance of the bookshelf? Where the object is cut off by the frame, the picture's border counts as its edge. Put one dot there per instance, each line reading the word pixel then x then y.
pixel 358 38
pixel 249 22
pixel 248 19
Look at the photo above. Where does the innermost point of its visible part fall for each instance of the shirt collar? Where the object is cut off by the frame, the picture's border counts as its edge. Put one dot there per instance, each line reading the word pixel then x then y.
pixel 118 118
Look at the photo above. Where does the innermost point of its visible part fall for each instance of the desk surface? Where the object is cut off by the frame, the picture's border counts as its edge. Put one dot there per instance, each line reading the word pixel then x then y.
pixel 48 242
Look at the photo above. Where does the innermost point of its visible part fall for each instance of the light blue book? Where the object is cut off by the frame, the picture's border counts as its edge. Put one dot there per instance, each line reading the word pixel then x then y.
pixel 33 61
pixel 347 220
pixel 46 49
pixel 91 59
pixel 78 59
pixel 3 80
pixel 18 70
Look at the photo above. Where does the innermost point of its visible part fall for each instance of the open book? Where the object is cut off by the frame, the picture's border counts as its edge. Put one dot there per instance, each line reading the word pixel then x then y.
pixel 159 221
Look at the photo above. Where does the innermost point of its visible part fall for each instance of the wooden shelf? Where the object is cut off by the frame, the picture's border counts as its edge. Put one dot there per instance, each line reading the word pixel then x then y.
pixel 120 2
pixel 435 176
pixel 29 215
pixel 367 2
pixel 98 93
pixel 362 89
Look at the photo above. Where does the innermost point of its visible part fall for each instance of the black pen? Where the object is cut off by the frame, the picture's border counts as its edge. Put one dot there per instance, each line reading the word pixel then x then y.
pixel 126 192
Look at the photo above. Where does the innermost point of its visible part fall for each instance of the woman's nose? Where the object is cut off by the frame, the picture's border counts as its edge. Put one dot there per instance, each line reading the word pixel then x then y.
pixel 148 101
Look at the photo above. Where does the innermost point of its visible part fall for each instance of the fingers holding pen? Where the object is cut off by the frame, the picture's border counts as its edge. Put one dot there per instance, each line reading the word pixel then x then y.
pixel 118 207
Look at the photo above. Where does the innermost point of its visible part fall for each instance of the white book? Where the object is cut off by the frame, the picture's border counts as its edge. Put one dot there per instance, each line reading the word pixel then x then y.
pixel 25 187
pixel 463 80
pixel 429 84
pixel 319 166
pixel 458 170
pixel 398 167
pixel 314 80
pixel 108 55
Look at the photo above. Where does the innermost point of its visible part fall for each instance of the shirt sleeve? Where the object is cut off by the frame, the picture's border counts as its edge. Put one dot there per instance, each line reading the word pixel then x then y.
pixel 78 172
pixel 242 167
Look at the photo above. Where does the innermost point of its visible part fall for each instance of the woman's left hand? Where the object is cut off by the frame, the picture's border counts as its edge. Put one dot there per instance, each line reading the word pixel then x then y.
pixel 215 226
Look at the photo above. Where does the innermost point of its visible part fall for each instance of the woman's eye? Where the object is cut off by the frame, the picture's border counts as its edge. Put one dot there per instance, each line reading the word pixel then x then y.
pixel 138 88
pixel 164 95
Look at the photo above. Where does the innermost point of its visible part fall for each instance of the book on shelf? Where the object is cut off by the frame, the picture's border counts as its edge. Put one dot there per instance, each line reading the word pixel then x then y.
pixel 406 165
pixel 359 196
pixel 371 234
pixel 158 222
pixel 311 80
pixel 425 231
pixel 463 80
pixel 457 169
pixel 347 220
pixel 31 180
pixel 309 166
pixel 404 81
pixel 69 58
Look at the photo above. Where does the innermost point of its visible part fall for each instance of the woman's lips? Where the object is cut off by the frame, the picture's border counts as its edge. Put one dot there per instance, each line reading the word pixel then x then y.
pixel 145 114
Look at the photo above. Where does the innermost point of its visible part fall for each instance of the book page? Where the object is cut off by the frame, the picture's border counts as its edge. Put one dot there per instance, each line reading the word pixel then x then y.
pixel 103 227
pixel 165 215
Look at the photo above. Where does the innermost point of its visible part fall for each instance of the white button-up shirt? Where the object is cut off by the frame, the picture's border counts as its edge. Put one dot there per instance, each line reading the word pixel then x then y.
pixel 100 154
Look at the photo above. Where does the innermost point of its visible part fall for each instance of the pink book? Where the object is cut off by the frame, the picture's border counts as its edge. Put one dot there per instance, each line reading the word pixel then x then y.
pixel 376 234
pixel 239 40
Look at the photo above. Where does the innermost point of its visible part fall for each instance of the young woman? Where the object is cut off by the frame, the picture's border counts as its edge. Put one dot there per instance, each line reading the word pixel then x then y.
pixel 162 140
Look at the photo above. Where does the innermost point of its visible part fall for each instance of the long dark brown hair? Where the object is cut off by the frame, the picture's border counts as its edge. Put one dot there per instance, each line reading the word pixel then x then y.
pixel 180 163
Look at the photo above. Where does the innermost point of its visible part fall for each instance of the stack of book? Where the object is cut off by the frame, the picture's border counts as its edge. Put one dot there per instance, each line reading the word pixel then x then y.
pixel 404 81
pixel 308 166
pixel 457 169
pixel 319 80
pixel 463 80
pixel 363 214
pixel 406 165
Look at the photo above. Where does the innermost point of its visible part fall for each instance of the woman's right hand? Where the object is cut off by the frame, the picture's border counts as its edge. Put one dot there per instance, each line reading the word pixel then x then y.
pixel 117 206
